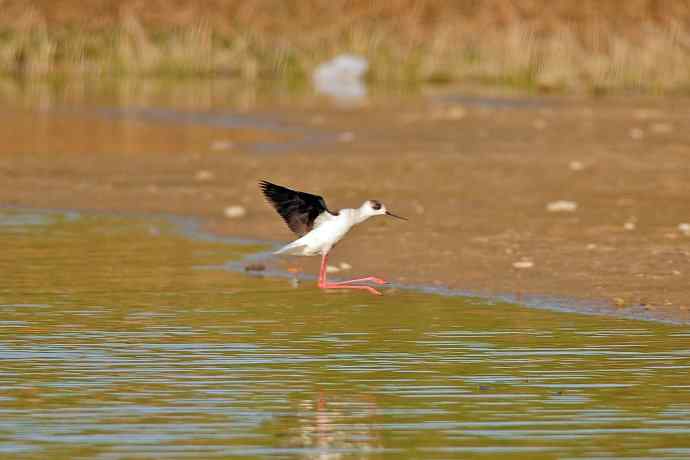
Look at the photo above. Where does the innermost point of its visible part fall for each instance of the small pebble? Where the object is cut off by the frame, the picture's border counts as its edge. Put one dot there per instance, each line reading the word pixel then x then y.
pixel 629 226
pixel 332 269
pixel 222 145
pixel 576 166
pixel 254 268
pixel 235 212
pixel 561 206
pixel 450 113
pixel 456 112
pixel 684 228
pixel 636 133
pixel 523 264
pixel 618 302
pixel 204 175
pixel 345 266
pixel 347 136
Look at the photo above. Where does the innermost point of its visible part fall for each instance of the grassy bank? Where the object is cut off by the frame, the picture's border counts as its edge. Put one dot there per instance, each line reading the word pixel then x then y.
pixel 583 45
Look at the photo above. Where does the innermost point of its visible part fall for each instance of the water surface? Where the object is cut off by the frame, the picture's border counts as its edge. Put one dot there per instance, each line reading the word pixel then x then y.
pixel 117 341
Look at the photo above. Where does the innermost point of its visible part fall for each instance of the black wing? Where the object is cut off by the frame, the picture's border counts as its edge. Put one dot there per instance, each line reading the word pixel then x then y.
pixel 298 209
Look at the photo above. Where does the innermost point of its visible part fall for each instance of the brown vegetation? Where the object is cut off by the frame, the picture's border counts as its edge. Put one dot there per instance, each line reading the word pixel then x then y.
pixel 548 44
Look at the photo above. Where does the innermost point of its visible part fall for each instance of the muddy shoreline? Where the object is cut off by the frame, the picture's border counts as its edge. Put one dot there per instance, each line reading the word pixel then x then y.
pixel 263 264
pixel 476 180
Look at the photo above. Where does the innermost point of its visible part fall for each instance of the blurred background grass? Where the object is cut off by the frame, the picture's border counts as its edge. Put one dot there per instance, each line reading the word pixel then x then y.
pixel 548 45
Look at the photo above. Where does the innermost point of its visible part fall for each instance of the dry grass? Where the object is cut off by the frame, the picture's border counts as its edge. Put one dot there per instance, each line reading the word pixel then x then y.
pixel 549 44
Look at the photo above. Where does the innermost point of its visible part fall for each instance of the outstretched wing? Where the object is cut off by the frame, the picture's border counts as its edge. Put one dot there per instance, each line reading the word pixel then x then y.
pixel 298 209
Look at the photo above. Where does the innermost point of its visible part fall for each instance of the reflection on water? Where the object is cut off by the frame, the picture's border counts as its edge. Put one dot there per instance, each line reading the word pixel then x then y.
pixel 217 115
pixel 114 345
pixel 120 111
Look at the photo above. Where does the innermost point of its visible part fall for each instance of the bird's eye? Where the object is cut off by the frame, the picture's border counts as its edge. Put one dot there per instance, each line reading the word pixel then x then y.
pixel 375 205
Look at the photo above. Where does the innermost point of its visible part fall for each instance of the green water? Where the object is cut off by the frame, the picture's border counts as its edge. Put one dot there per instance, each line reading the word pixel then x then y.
pixel 114 343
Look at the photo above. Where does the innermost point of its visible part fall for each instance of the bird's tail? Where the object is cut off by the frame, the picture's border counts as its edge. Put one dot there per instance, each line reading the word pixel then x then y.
pixel 296 248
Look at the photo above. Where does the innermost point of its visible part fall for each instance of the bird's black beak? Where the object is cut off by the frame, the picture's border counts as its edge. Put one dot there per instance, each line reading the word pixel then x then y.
pixel 397 217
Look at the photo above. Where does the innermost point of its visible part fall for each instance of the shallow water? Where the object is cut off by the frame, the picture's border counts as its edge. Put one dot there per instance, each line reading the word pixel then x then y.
pixel 117 341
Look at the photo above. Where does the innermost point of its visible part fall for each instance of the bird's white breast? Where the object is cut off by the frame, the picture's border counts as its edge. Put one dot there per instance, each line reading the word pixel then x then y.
pixel 329 229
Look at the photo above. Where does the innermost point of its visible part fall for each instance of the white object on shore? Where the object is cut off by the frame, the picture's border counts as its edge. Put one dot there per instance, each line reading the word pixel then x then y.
pixel 235 212
pixel 576 165
pixel 523 264
pixel 341 77
pixel 561 206
pixel 684 228
pixel 204 175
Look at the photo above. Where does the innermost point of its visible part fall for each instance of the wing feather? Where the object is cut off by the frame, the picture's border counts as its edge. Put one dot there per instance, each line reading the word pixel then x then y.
pixel 299 210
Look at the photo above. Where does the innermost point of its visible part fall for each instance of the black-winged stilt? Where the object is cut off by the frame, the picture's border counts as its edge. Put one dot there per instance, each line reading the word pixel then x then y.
pixel 319 228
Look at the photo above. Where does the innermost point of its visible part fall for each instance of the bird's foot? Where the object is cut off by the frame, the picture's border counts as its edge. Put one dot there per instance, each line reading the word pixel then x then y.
pixel 373 279
pixel 345 286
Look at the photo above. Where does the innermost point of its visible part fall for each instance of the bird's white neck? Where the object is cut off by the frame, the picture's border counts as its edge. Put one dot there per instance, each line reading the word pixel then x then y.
pixel 359 215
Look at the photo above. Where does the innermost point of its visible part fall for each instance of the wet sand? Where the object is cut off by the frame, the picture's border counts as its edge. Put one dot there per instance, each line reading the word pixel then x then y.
pixel 473 174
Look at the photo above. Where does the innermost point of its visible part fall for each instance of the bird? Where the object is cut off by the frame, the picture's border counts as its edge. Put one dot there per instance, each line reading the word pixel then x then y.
pixel 319 228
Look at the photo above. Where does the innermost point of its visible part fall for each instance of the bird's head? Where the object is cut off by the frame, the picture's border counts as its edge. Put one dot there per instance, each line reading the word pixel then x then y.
pixel 376 208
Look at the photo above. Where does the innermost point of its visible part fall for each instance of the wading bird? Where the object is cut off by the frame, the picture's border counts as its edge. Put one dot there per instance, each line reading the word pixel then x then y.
pixel 319 228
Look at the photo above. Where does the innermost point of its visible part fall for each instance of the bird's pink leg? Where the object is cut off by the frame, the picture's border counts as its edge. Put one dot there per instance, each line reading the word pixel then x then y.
pixel 346 286
pixel 324 284
pixel 373 279
pixel 322 270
